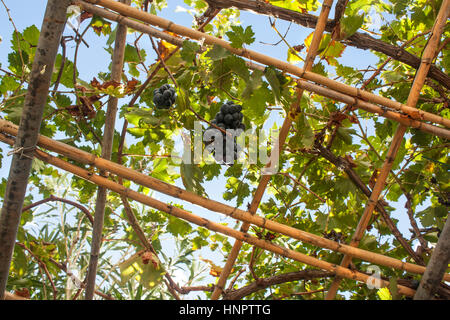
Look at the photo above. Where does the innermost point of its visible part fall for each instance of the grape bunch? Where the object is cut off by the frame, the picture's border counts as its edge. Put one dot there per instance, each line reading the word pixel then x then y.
pixel 229 117
pixel 335 236
pixel 164 97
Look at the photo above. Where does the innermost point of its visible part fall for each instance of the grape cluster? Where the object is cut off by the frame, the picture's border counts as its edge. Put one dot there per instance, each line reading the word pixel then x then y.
pixel 229 117
pixel 164 97
pixel 335 236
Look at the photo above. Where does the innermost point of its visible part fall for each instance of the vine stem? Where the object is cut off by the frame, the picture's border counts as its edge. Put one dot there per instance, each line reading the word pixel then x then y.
pixel 54 198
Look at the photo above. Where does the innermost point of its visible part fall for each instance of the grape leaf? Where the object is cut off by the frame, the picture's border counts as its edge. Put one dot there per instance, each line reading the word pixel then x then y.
pixel 238 36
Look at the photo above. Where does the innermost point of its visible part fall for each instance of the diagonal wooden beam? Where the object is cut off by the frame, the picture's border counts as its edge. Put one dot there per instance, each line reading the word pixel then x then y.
pixel 295 110
pixel 30 123
pixel 154 184
pixel 373 108
pixel 205 223
pixel 308 86
pixel 9 129
pixel 267 60
pixel 419 80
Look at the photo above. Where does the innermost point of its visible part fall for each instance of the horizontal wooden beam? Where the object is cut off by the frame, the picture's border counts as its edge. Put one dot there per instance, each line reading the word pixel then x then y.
pixel 205 223
pixel 81 156
pixel 308 86
pixel 168 25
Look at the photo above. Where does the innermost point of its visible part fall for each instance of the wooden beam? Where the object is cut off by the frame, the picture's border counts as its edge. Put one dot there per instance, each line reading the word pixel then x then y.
pixel 163 187
pixel 332 94
pixel 267 60
pixel 419 80
pixel 30 123
pixel 285 128
pixel 205 223
pixel 107 143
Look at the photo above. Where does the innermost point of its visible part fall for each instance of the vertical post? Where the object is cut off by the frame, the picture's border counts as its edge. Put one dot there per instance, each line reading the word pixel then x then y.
pixel 107 143
pixel 436 267
pixel 414 94
pixel 30 123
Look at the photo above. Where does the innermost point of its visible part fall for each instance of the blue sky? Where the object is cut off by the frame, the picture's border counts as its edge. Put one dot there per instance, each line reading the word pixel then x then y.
pixel 95 59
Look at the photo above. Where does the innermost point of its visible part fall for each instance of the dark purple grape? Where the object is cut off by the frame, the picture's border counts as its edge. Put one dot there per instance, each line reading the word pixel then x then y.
pixel 167 95
pixel 219 117
pixel 228 119
pixel 224 109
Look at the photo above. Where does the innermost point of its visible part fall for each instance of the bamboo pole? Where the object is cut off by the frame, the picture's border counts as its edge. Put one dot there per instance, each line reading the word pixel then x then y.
pixel 138 26
pixel 107 143
pixel 205 223
pixel 382 111
pixel 419 80
pixel 28 131
pixel 154 184
pixel 267 60
pixel 232 256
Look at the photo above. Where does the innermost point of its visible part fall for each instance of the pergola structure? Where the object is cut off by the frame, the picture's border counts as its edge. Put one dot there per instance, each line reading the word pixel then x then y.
pixel 28 138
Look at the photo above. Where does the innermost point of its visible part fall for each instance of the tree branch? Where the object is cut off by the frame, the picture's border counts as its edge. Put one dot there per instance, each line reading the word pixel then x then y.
pixel 263 283
pixel 440 258
pixel 53 198
pixel 353 176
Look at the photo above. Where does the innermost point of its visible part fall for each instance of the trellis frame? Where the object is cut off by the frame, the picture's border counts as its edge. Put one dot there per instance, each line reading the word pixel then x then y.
pixel 414 118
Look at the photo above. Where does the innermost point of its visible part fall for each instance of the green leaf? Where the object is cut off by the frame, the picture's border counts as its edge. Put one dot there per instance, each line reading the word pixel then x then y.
pixel 238 66
pixel 100 26
pixel 238 36
pixel 393 288
pixel 293 56
pixel 304 137
pixel 351 24
pixel 255 82
pixel 189 50
pixel 131 54
pixel 8 84
pixel 31 35
pixel 192 177
pixel 67 74
pixel 255 107
pixel 217 53
pixel 236 188
pixel 346 134
pixel 149 272
pixel 178 227
pixel 272 78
